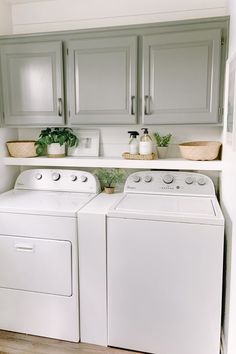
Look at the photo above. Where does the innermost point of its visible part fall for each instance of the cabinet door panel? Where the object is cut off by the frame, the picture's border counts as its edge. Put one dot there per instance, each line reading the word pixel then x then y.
pixel 181 77
pixel 32 80
pixel 103 80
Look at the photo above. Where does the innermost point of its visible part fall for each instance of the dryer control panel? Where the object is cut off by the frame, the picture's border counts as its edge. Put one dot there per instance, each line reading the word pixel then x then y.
pixel 169 182
pixel 58 180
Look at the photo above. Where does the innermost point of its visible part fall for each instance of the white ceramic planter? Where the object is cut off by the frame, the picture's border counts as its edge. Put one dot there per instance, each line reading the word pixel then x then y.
pixel 56 150
pixel 162 152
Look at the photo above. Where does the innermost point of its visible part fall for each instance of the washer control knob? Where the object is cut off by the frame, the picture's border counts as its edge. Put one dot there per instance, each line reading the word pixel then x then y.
pixel 136 179
pixel 168 179
pixel 56 176
pixel 73 178
pixel 83 178
pixel 38 176
pixel 189 180
pixel 201 181
pixel 147 179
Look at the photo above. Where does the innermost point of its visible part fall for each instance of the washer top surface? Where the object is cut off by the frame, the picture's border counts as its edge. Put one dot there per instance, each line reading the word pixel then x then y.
pixel 50 192
pixel 169 196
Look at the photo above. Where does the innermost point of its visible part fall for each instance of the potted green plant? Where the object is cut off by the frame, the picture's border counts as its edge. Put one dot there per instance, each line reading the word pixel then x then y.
pixel 109 177
pixel 162 143
pixel 54 141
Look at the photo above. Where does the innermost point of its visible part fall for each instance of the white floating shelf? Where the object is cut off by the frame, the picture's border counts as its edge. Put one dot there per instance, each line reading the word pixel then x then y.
pixel 165 164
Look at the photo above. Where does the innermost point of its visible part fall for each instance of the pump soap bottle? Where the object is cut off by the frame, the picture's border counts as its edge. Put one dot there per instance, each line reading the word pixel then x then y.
pixel 145 145
pixel 133 143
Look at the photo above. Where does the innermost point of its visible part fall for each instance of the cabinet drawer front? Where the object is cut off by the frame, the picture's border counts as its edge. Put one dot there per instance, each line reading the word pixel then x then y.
pixel 103 80
pixel 32 83
pixel 36 265
pixel 181 77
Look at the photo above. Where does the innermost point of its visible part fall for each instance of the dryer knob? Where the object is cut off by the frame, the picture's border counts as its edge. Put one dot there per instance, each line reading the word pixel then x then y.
pixel 189 180
pixel 56 176
pixel 201 181
pixel 168 179
pixel 147 179
pixel 73 178
pixel 136 179
pixel 83 179
pixel 38 176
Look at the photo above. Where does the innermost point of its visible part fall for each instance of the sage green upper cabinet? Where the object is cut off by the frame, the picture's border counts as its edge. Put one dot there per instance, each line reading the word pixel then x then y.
pixel 102 80
pixel 32 75
pixel 181 77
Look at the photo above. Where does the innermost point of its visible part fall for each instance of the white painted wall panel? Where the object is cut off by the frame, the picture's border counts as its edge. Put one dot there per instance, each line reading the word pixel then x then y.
pixel 5 18
pixel 228 201
pixel 53 15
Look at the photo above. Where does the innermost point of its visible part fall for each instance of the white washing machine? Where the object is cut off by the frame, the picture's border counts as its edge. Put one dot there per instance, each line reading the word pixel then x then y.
pixel 39 290
pixel 164 269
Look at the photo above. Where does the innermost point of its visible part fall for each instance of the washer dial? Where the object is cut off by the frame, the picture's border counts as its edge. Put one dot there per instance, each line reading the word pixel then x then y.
pixel 38 176
pixel 147 179
pixel 201 181
pixel 73 178
pixel 189 180
pixel 83 178
pixel 168 179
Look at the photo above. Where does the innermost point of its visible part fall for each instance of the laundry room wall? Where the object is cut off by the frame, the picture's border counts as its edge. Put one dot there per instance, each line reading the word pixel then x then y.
pixel 228 201
pixel 50 15
pixel 5 17
pixel 7 173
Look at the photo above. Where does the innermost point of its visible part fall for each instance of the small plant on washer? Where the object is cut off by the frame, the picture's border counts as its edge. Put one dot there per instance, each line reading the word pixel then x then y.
pixel 59 136
pixel 109 177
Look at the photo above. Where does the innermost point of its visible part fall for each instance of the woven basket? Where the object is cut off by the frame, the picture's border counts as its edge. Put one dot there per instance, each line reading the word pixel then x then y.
pixel 128 156
pixel 21 148
pixel 200 150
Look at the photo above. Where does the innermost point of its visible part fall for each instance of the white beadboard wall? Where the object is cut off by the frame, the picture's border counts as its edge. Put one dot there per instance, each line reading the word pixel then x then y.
pixel 114 140
pixel 53 15
pixel 8 173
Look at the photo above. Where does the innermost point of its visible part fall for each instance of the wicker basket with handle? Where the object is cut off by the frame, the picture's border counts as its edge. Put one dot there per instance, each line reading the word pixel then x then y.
pixel 21 148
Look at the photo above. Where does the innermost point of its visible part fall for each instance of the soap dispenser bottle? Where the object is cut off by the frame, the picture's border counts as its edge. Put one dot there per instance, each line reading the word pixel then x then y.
pixel 145 145
pixel 133 143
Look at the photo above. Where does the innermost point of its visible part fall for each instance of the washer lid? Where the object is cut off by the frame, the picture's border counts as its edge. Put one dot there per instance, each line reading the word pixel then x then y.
pixel 204 210
pixel 43 202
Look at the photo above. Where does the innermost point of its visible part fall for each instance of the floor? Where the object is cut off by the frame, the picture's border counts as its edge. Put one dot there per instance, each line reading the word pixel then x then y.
pixel 15 343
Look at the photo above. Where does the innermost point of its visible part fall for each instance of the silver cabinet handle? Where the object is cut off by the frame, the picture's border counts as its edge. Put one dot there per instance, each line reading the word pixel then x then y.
pixel 147 105
pixel 59 107
pixel 132 105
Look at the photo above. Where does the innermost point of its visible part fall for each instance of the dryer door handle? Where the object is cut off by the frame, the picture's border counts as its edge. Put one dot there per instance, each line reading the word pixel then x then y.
pixel 24 247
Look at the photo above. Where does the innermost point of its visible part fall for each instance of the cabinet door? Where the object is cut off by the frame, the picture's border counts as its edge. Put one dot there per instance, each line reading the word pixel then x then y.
pixel 181 74
pixel 102 82
pixel 32 83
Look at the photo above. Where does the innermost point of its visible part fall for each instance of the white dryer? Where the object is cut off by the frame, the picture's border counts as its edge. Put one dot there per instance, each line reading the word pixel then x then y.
pixel 39 290
pixel 164 270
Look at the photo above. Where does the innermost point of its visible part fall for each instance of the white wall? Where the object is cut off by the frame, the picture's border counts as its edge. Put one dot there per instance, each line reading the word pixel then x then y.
pixel 52 15
pixel 7 174
pixel 5 17
pixel 228 201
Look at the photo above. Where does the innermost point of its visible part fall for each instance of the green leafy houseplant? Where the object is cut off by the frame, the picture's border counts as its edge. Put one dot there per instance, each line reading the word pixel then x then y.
pixel 162 141
pixel 109 177
pixel 49 136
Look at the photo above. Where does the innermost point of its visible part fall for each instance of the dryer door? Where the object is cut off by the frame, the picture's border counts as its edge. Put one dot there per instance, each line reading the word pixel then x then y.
pixel 38 265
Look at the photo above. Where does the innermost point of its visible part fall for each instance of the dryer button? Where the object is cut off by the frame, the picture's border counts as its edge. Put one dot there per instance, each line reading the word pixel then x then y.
pixel 83 179
pixel 38 176
pixel 136 179
pixel 147 179
pixel 56 176
pixel 73 178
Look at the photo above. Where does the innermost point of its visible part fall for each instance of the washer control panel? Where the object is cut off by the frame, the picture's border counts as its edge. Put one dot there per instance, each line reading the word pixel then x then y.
pixel 169 182
pixel 58 180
